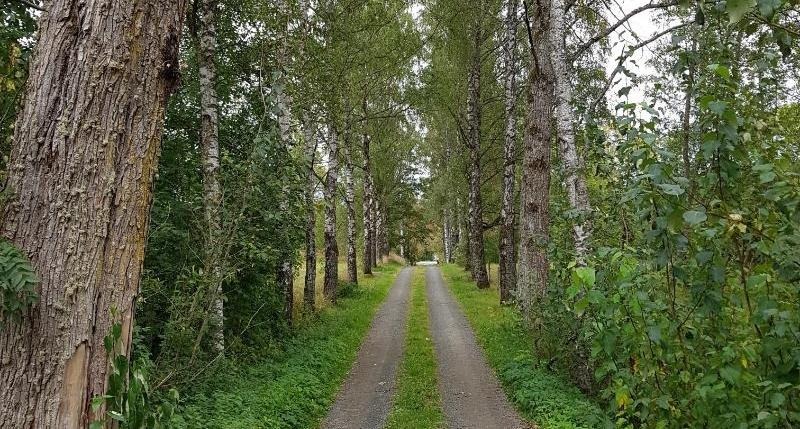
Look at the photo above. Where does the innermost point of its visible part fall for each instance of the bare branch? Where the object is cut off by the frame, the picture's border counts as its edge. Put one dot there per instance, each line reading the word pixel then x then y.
pixel 624 57
pixel 603 34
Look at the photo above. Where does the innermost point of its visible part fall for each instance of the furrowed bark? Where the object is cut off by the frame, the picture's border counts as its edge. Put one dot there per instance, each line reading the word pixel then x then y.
pixel 476 249
pixel 80 177
pixel 507 266
pixel 310 153
pixel 574 179
pixel 331 281
pixel 212 192
pixel 350 202
pixel 532 263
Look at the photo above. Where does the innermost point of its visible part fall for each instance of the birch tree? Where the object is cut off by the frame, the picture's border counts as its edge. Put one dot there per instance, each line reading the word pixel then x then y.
pixel 507 267
pixel 350 205
pixel 476 247
pixel 212 192
pixel 80 176
pixel 574 180
pixel 331 281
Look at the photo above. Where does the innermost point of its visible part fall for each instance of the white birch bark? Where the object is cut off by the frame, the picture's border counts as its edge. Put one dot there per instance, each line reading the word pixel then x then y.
pixel 331 281
pixel 574 179
pixel 350 203
pixel 209 136
pixel 507 266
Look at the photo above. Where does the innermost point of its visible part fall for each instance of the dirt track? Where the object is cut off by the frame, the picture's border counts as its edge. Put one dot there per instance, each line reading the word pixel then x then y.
pixel 471 395
pixel 365 399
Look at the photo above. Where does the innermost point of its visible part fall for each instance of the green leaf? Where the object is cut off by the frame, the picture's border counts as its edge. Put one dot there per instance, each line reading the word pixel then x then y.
pixel 737 9
pixel 693 217
pixel 671 189
pixel 586 275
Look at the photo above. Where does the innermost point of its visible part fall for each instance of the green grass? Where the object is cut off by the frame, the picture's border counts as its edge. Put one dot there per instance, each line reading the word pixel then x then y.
pixel 541 396
pixel 294 388
pixel 417 401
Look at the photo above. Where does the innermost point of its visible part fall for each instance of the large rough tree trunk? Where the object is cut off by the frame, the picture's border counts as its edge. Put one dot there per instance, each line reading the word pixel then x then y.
pixel 350 203
pixel 532 265
pixel 476 249
pixel 369 231
pixel 80 176
pixel 574 179
pixel 507 268
pixel 310 152
pixel 331 281
pixel 212 192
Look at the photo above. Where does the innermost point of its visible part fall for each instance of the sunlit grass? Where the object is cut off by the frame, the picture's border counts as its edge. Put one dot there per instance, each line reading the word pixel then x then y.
pixel 417 401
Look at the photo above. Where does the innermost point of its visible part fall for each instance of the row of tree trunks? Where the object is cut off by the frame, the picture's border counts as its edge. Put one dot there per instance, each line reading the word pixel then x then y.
pixel 80 176
pixel 310 154
pixel 369 208
pixel 331 280
pixel 532 265
pixel 476 249
pixel 572 164
pixel 350 205
pixel 507 266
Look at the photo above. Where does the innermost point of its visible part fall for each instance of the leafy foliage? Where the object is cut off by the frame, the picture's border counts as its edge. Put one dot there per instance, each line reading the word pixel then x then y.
pixel 17 283
pixel 129 402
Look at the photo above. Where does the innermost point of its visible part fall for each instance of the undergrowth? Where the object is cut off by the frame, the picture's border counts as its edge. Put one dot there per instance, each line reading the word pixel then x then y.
pixel 295 387
pixel 540 395
pixel 417 401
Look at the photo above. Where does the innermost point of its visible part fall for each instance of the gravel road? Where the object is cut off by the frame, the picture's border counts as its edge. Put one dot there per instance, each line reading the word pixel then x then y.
pixel 365 399
pixel 471 394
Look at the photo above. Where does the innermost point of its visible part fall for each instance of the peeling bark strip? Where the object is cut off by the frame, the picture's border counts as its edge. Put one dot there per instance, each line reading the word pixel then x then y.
pixel 476 248
pixel 212 192
pixel 331 281
pixel 532 263
pixel 86 148
pixel 507 266
pixel 574 180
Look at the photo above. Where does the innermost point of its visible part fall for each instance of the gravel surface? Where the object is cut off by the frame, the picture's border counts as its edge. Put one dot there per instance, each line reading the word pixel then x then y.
pixel 471 394
pixel 365 399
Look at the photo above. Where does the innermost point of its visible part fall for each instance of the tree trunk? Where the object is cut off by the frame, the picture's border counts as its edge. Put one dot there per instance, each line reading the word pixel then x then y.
pixel 285 272
pixel 476 249
pixel 212 192
pixel 369 232
pixel 374 232
pixel 310 152
pixel 350 202
pixel 80 176
pixel 378 233
pixel 688 171
pixel 507 266
pixel 331 281
pixel 532 265
pixel 574 179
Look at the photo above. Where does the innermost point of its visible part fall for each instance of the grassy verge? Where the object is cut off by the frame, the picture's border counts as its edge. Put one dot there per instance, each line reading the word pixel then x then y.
pixel 417 402
pixel 294 388
pixel 540 395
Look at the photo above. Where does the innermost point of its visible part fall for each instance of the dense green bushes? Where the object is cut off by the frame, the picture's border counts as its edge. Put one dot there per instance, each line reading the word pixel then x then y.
pixel 543 397
pixel 293 387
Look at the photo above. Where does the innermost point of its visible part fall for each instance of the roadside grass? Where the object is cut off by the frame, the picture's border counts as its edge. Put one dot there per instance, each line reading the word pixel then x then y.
pixel 542 397
pixel 418 404
pixel 295 387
